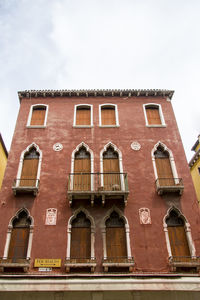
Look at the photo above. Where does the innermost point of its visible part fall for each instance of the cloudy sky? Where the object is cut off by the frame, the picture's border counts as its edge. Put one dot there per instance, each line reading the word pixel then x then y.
pixel 94 44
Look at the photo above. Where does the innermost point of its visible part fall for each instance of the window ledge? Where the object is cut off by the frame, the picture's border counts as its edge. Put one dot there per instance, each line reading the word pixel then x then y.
pixel 108 126
pixel 159 126
pixel 35 126
pixel 83 126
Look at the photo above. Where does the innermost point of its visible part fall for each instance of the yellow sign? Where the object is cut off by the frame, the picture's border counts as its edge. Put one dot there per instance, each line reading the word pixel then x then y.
pixel 47 263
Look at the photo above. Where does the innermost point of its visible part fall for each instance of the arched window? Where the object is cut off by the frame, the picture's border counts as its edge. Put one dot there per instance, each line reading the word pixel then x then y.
pixel 19 237
pixel 80 246
pixel 177 235
pixel 83 115
pixel 116 241
pixel 37 116
pixel 108 115
pixel 153 115
pixel 82 170
pixel 163 166
pixel 81 237
pixel 111 170
pixel 18 242
pixel 29 170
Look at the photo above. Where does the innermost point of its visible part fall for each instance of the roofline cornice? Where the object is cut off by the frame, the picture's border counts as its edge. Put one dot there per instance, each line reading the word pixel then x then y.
pixel 96 93
pixel 195 157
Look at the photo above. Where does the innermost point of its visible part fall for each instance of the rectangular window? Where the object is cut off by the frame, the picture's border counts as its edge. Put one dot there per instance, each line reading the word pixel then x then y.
pixel 108 116
pixel 38 116
pixel 83 116
pixel 153 115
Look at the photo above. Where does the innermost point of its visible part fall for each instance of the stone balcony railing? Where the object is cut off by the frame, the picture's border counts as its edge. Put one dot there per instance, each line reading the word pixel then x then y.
pixel 169 185
pixel 22 264
pixel 25 186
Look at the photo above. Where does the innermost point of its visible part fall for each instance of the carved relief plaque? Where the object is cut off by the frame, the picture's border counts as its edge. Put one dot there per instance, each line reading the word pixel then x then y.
pixel 51 216
pixel 57 147
pixel 135 146
pixel 144 214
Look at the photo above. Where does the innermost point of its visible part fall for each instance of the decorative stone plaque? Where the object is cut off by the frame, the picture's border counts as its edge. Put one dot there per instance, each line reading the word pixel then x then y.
pixel 144 214
pixel 51 216
pixel 135 146
pixel 57 147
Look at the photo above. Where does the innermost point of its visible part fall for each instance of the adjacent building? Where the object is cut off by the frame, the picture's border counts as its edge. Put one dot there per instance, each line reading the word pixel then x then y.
pixel 3 159
pixel 194 165
pixel 98 202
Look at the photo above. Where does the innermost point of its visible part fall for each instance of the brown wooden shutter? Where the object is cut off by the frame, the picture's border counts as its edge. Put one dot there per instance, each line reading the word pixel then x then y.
pixel 82 182
pixel 164 171
pixel 111 165
pixel 108 116
pixel 116 242
pixel 80 243
pixel 29 172
pixel 178 241
pixel 18 243
pixel 153 115
pixel 83 116
pixel 38 116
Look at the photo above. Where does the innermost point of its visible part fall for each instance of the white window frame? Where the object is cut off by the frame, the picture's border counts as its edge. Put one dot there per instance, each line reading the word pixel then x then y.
pixel 82 144
pixel 19 172
pixel 30 116
pixel 120 164
pixel 171 159
pixel 163 124
pixel 116 115
pixel 187 231
pixel 91 116
pixel 127 231
pixel 69 232
pixel 9 233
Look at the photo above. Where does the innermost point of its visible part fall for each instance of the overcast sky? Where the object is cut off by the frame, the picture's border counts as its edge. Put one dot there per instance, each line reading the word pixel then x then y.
pixel 101 44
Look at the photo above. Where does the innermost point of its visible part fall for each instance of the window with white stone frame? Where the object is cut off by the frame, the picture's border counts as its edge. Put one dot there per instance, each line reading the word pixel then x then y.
pixel 108 115
pixel 37 116
pixel 153 115
pixel 83 116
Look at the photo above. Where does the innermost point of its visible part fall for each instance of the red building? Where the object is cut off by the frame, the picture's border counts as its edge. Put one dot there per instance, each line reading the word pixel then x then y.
pixel 97 186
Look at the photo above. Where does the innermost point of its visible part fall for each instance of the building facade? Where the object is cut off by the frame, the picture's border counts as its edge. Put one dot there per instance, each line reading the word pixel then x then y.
pixel 3 159
pixel 194 165
pixel 97 200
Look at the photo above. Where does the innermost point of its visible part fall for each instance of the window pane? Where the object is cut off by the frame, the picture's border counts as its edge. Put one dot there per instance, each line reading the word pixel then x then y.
pixel 108 116
pixel 83 116
pixel 38 116
pixel 153 115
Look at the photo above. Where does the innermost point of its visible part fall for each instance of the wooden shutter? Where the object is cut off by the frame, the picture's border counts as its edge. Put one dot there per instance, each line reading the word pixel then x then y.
pixel 29 172
pixel 153 115
pixel 178 241
pixel 82 182
pixel 111 165
pixel 83 116
pixel 164 171
pixel 80 243
pixel 108 116
pixel 18 243
pixel 116 242
pixel 38 116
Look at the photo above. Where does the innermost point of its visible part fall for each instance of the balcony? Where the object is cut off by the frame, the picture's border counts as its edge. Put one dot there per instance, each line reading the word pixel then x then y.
pixel 118 262
pixel 184 262
pixel 14 264
pixel 25 186
pixel 169 185
pixel 80 263
pixel 98 185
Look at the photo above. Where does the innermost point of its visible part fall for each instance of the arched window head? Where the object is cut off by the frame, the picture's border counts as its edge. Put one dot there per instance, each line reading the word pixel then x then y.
pixel 114 220
pixel 161 153
pixel 32 154
pixel 110 153
pixel 81 221
pixel 22 220
pixel 174 219
pixel 82 153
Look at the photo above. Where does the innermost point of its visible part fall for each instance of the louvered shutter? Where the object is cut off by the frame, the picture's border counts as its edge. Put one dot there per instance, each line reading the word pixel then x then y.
pixel 111 165
pixel 29 172
pixel 164 171
pixel 82 182
pixel 81 243
pixel 18 243
pixel 38 116
pixel 116 242
pixel 153 115
pixel 108 116
pixel 178 241
pixel 83 116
